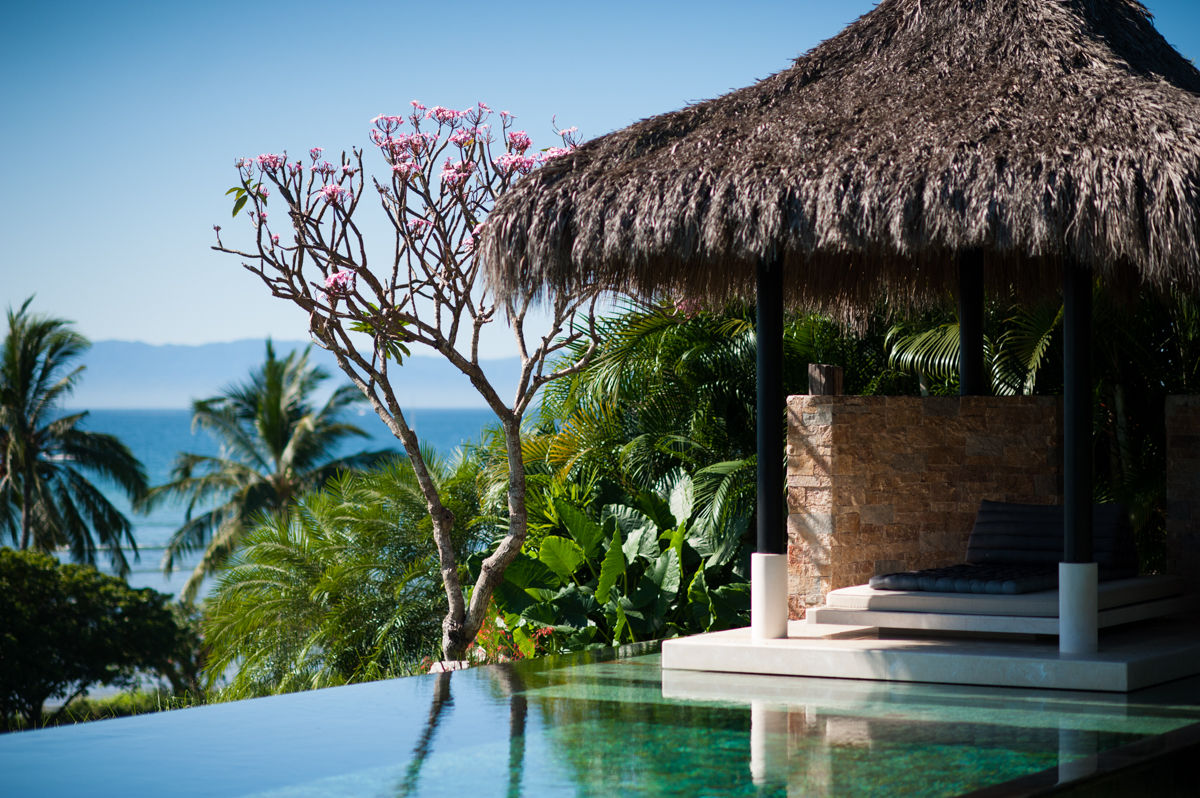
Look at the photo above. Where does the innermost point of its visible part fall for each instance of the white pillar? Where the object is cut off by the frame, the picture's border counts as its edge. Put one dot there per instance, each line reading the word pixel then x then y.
pixel 768 596
pixel 768 744
pixel 1076 753
pixel 1078 607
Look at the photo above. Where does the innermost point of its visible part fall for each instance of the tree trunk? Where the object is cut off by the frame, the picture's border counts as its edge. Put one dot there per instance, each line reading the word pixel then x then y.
pixel 26 515
pixel 492 571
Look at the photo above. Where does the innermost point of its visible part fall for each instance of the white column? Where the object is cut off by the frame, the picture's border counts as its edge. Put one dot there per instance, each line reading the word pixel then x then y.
pixel 1078 607
pixel 768 744
pixel 768 596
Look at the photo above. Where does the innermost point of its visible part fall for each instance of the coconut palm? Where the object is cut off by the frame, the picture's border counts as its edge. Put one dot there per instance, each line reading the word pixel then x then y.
pixel 344 588
pixel 275 444
pixel 46 501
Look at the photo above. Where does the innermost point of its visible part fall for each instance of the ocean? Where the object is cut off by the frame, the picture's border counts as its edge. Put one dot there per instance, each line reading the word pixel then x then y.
pixel 156 437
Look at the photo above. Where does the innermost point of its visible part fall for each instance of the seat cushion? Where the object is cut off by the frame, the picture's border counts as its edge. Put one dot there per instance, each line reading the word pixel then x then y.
pixel 1000 578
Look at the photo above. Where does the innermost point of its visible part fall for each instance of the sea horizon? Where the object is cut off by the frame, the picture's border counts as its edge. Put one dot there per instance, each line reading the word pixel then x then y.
pixel 157 435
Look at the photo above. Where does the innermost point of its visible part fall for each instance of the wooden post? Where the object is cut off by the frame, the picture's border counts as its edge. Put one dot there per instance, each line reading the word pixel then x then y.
pixel 770 399
pixel 972 380
pixel 824 380
pixel 1077 414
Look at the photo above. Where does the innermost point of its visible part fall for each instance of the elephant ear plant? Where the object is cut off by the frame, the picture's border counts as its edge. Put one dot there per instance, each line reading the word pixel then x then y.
pixel 645 569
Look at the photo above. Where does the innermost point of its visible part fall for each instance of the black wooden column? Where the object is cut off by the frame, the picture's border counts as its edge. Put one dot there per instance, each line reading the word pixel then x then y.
pixel 972 380
pixel 1077 413
pixel 769 333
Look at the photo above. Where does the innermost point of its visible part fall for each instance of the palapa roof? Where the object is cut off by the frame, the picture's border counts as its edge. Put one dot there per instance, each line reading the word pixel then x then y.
pixel 1039 131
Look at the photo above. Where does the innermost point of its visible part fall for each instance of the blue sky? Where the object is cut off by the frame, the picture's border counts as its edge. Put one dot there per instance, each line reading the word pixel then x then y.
pixel 120 121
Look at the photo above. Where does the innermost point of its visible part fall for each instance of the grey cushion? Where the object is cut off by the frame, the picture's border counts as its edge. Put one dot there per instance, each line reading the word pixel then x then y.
pixel 1004 578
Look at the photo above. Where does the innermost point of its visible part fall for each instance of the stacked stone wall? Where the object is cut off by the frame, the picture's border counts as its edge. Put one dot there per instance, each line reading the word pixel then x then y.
pixel 1183 484
pixel 879 484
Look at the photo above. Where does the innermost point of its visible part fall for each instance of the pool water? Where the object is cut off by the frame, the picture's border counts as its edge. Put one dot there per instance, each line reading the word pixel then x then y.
pixel 595 725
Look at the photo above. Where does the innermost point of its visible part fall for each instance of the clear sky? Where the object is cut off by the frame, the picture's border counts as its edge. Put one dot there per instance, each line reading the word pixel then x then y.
pixel 120 120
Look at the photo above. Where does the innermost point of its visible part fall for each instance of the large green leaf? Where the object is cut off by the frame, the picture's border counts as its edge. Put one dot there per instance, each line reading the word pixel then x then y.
pixel 561 556
pixel 642 543
pixel 586 532
pixel 731 605
pixel 666 574
pixel 678 490
pixel 527 573
pixel 572 606
pixel 628 519
pixel 612 569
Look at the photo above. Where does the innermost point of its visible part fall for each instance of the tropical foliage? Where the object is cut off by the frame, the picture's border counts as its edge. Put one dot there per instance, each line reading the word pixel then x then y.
pixel 276 443
pixel 641 571
pixel 343 588
pixel 69 627
pixel 47 500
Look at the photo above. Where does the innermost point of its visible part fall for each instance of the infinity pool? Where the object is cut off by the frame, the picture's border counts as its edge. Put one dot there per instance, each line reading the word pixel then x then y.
pixel 596 726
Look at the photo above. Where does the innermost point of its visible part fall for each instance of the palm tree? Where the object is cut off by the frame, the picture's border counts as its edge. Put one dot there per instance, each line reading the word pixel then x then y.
pixel 46 502
pixel 345 588
pixel 275 445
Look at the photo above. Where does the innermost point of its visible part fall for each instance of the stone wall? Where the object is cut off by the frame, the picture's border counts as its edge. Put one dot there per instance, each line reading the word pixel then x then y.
pixel 879 484
pixel 1183 484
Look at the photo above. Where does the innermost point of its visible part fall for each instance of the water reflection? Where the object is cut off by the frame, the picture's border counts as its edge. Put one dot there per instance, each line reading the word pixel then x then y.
pixel 822 737
pixel 594 726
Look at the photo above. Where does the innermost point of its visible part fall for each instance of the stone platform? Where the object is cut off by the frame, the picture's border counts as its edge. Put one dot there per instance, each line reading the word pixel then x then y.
pixel 1130 657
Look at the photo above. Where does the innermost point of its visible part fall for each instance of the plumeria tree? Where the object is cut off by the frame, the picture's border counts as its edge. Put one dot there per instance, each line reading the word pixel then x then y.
pixel 445 168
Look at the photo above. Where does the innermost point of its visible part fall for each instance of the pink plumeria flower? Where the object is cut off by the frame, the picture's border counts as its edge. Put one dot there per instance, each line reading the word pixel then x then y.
pixel 315 153
pixel 519 140
pixel 419 227
pixel 417 106
pixel 274 239
pixel 456 175
pixel 568 131
pixel 506 115
pixel 269 163
pixel 349 170
pixel 405 169
pixel 511 162
pixel 551 153
pixel 340 282
pixel 463 138
pixel 263 192
pixel 387 124
pixel 335 194
pixel 484 107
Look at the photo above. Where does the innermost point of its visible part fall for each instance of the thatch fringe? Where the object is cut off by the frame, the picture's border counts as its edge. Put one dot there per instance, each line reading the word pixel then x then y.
pixel 1041 131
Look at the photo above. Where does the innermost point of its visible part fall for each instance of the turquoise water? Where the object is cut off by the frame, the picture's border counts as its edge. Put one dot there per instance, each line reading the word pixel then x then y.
pixel 156 437
pixel 583 727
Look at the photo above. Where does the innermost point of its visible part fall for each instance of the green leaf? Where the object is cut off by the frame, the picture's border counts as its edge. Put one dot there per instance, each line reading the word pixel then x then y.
pixel 238 204
pixel 699 602
pixel 526 572
pixel 586 532
pixel 731 605
pixel 666 574
pixel 679 491
pixel 612 569
pixel 235 190
pixel 561 556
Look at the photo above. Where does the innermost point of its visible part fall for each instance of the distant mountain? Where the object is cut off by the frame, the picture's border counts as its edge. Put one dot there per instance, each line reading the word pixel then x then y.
pixel 126 374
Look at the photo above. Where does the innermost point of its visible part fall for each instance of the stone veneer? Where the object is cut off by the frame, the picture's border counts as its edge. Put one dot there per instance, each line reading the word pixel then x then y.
pixel 890 483
pixel 1183 484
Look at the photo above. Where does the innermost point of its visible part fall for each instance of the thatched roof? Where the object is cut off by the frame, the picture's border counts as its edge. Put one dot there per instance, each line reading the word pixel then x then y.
pixel 1041 131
